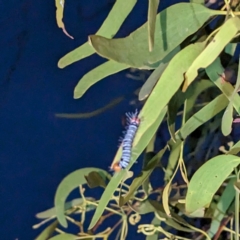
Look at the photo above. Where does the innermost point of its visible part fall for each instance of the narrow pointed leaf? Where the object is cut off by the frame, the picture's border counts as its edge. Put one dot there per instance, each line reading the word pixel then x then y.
pixel 213 49
pixel 203 115
pixel 109 28
pixel 221 208
pixel 48 231
pixel 97 74
pixel 170 32
pixel 155 76
pixel 170 81
pixel 59 16
pixel 199 87
pixel 67 185
pixel 227 119
pixel 152 13
pixel 214 72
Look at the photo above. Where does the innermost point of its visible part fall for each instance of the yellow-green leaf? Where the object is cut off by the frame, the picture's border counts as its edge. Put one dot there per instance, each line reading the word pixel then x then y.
pixel 235 149
pixel 59 16
pixel 48 231
pixel 152 13
pixel 214 71
pixel 69 183
pixel 148 86
pixel 170 81
pixel 199 87
pixel 221 208
pixel 109 28
pixel 203 115
pixel 173 25
pixel 227 119
pixel 207 180
pixel 97 74
pixel 213 49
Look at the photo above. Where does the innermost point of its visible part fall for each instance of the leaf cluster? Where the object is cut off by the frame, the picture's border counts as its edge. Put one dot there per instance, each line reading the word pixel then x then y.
pixel 190 49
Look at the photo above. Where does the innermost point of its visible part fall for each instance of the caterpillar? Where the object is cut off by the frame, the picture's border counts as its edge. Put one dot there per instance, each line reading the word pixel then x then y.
pixel 133 122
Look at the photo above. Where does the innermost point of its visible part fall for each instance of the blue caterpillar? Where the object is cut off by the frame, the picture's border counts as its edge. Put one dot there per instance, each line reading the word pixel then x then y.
pixel 133 122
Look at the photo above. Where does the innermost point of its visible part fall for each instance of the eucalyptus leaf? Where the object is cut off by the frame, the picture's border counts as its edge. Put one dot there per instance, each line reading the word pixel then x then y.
pixel 152 12
pixel 173 25
pixel 97 74
pixel 109 28
pixel 207 180
pixel 67 185
pixel 221 208
pixel 47 232
pixel 226 33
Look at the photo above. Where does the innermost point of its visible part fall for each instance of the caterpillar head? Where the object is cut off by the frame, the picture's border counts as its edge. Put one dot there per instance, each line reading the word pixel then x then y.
pixel 115 167
pixel 135 120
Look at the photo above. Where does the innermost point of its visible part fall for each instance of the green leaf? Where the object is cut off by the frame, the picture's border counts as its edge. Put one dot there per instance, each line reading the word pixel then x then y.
pixel 64 236
pixel 199 87
pixel 97 74
pixel 143 137
pixel 231 48
pixel 94 179
pixel 174 104
pixel 170 81
pixel 109 28
pixel 222 206
pixel 144 175
pixel 67 185
pixel 235 149
pixel 228 114
pixel 213 49
pixel 90 114
pixel 175 148
pixel 59 16
pixel 214 71
pixel 152 12
pixel 155 76
pixel 133 50
pixel 203 115
pixel 48 231
pixel 171 221
pixel 207 180
pixel 227 120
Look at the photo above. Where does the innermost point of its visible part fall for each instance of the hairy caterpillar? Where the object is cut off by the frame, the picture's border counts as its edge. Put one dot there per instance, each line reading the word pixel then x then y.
pixel 133 122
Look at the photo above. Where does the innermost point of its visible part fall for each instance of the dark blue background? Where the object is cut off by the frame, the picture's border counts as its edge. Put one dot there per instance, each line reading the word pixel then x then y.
pixel 37 149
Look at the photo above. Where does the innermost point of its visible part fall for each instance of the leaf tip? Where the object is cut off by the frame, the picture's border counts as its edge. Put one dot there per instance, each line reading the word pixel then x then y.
pixel 76 95
pixel 60 64
pixel 63 221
